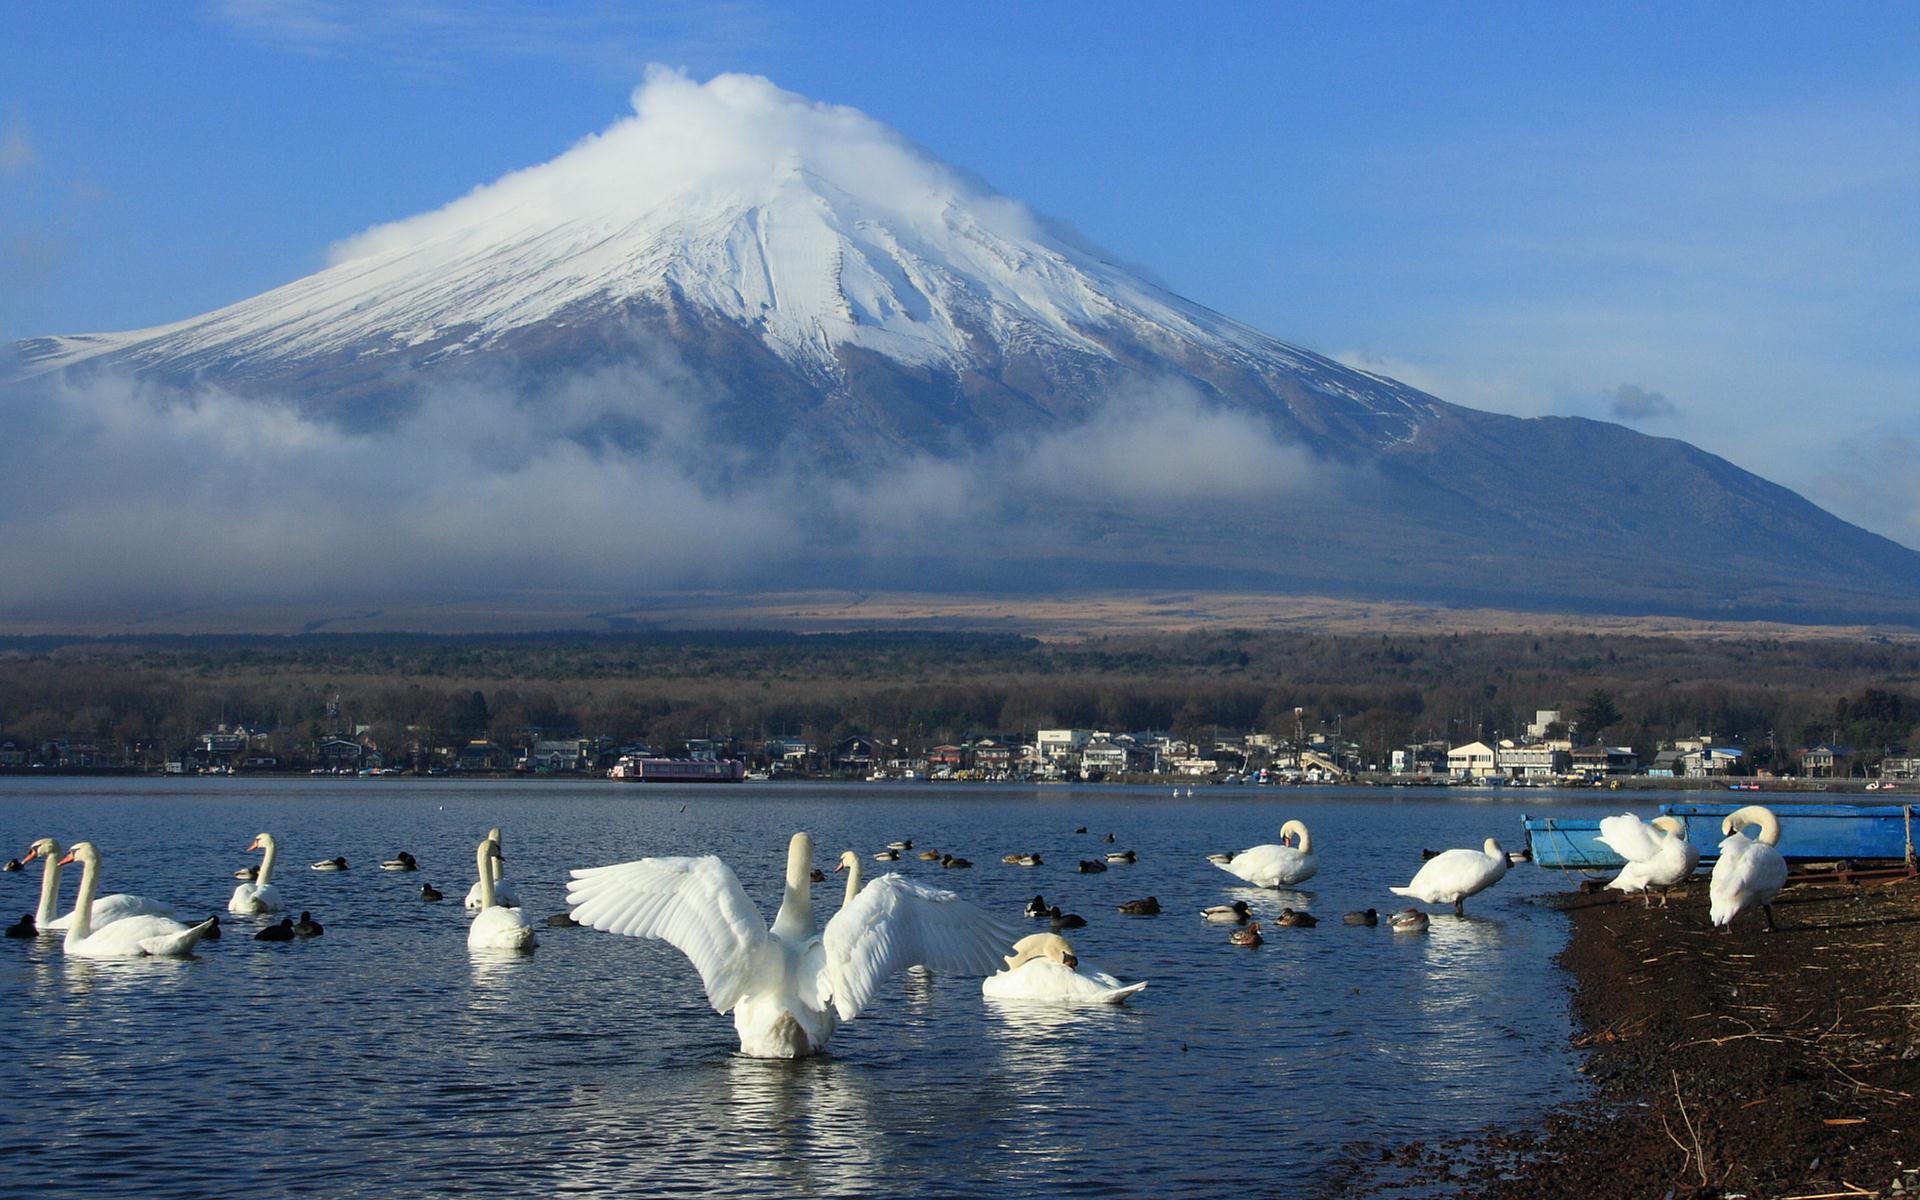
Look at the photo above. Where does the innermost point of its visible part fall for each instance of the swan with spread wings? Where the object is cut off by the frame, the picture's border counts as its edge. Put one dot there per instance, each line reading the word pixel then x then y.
pixel 787 985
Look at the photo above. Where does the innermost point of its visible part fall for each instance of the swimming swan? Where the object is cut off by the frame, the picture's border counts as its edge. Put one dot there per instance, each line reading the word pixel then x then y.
pixel 787 986
pixel 259 896
pixel 1658 853
pixel 503 892
pixel 1450 876
pixel 129 937
pixel 1274 866
pixel 106 910
pixel 496 927
pixel 1044 967
pixel 1749 873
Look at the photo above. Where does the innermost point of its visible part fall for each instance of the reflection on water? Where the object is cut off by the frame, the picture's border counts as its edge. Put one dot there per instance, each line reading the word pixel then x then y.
pixel 389 1056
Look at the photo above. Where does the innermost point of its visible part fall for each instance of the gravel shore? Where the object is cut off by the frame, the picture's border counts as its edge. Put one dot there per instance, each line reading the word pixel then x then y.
pixel 1780 1065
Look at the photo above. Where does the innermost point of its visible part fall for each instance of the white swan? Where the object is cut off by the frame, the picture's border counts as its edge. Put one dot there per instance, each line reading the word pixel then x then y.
pixel 503 892
pixel 1274 866
pixel 1749 873
pixel 129 937
pixel 496 927
pixel 1658 853
pixel 1450 876
pixel 258 895
pixel 1044 967
pixel 106 910
pixel 787 986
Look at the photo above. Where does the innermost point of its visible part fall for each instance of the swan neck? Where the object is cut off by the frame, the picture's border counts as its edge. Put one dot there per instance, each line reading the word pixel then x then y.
pixel 483 859
pixel 49 890
pixel 82 927
pixel 1306 838
pixel 795 919
pixel 853 883
pixel 1769 826
pixel 266 864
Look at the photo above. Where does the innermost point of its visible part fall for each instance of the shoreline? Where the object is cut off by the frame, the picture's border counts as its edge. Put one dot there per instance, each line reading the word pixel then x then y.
pixel 1752 1064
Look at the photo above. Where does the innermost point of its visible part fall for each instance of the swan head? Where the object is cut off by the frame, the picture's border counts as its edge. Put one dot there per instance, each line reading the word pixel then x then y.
pixel 1050 946
pixel 1493 850
pixel 1671 824
pixel 45 847
pixel 261 841
pixel 82 853
pixel 848 861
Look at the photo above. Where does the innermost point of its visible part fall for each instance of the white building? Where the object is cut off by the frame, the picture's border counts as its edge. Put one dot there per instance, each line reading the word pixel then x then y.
pixel 1473 761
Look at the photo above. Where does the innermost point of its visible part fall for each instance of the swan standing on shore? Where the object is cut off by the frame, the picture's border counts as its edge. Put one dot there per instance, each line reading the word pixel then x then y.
pixel 503 893
pixel 1274 866
pixel 1450 876
pixel 496 927
pixel 129 937
pixel 1043 967
pixel 105 911
pixel 1750 873
pixel 787 986
pixel 1658 853
pixel 258 895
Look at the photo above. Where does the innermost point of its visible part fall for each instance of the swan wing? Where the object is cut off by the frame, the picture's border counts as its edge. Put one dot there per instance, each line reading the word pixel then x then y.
pixel 1631 838
pixel 1270 865
pixel 895 923
pixel 695 905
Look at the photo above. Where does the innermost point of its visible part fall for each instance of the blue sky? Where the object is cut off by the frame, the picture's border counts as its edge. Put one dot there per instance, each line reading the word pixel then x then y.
pixel 1699 219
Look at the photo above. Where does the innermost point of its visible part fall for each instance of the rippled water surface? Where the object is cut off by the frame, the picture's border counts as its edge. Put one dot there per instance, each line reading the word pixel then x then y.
pixel 385 1059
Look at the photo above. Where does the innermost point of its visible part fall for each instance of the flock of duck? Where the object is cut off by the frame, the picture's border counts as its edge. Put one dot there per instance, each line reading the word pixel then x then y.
pixel 789 983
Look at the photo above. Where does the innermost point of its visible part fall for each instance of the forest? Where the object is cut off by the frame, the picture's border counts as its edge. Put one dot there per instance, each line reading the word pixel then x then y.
pixel 1774 694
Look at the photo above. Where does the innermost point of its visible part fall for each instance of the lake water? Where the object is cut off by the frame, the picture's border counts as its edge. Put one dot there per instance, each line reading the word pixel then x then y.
pixel 385 1059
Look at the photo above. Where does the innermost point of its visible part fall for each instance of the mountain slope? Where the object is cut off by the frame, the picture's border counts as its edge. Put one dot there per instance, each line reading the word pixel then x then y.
pixel 742 285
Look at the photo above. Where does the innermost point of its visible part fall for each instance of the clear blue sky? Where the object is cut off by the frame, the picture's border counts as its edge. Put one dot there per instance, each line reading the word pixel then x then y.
pixel 1704 219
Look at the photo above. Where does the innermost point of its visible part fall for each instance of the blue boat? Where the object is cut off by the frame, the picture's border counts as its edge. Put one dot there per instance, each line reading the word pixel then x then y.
pixel 1808 833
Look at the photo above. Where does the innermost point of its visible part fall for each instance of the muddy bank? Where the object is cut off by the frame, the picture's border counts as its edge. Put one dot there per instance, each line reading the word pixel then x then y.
pixel 1757 1064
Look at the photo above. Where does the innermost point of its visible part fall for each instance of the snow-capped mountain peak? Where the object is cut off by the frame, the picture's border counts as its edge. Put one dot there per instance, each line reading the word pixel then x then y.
pixel 812 224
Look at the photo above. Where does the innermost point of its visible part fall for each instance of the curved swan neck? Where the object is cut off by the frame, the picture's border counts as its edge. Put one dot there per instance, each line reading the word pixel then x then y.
pixel 1300 829
pixel 484 860
pixel 1761 815
pixel 795 920
pixel 853 879
pixel 266 862
pixel 82 927
pixel 50 888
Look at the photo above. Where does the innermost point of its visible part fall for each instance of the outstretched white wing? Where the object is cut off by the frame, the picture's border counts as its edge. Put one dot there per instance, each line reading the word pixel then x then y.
pixel 894 923
pixel 694 904
pixel 1630 837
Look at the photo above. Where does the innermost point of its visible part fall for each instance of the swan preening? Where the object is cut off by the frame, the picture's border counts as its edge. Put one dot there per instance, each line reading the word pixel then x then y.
pixel 1452 875
pixel 104 911
pixel 259 895
pixel 495 926
pixel 1274 866
pixel 1750 872
pixel 1043 967
pixel 787 985
pixel 1657 852
pixel 503 893
pixel 128 937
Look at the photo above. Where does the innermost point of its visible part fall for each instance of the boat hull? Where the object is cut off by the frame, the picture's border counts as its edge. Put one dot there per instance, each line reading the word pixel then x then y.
pixel 1808 833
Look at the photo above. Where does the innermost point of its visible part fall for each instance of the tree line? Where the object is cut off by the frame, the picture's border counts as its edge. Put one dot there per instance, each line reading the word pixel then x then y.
pixel 1378 690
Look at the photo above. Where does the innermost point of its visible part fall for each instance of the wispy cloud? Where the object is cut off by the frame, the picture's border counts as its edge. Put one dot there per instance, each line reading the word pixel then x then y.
pixel 1630 402
pixel 603 480
pixel 433 34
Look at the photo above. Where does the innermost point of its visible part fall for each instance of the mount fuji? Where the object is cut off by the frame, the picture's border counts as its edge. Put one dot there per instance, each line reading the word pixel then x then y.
pixel 772 343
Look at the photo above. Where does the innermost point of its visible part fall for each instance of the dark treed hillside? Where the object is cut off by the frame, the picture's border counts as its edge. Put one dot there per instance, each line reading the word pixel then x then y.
pixel 1381 690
